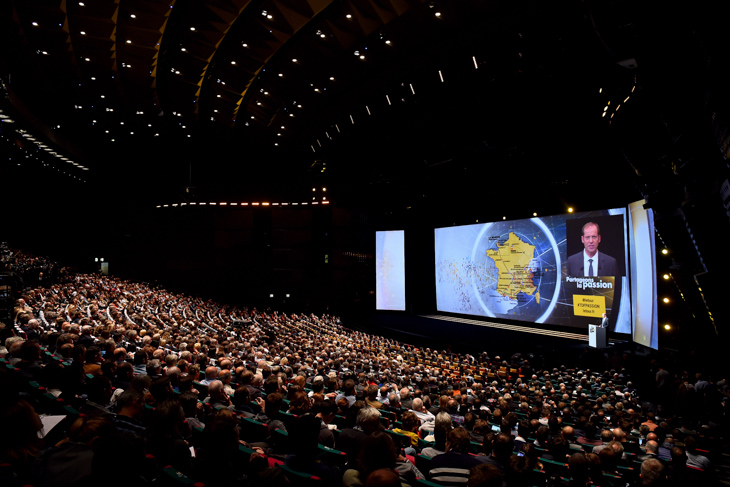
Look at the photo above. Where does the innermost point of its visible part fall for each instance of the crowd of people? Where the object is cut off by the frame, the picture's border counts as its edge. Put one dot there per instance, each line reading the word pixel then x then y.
pixel 112 382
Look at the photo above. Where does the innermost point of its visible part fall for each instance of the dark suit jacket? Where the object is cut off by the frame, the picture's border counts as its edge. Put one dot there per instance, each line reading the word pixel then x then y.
pixel 606 265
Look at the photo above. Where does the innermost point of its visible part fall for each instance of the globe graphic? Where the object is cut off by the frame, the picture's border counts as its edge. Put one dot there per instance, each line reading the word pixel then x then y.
pixel 524 288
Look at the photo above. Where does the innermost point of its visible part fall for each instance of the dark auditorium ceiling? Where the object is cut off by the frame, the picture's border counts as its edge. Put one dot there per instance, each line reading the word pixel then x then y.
pixel 406 101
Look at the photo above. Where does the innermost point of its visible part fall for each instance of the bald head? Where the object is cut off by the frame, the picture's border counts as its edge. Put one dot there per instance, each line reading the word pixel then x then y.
pixel 211 373
pixel 417 404
pixel 652 446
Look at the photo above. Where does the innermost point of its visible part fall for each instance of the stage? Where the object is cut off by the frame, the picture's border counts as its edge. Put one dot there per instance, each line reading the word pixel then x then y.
pixel 545 346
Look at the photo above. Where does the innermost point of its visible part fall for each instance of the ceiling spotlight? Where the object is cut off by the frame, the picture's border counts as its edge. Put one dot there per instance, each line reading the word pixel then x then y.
pixel 666 277
pixel 133 16
pixel 666 300
pixel 534 214
pixel 34 24
pixel 83 33
pixel 192 29
pixel 128 41
pixel 665 251
pixel 570 210
pixel 294 60
pixel 348 16
pixel 438 14
pixel 667 327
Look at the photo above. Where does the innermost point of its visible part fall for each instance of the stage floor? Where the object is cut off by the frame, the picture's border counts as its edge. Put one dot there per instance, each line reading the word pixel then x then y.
pixel 464 335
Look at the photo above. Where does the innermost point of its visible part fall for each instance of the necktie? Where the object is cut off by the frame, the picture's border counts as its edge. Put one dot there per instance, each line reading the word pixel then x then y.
pixel 590 267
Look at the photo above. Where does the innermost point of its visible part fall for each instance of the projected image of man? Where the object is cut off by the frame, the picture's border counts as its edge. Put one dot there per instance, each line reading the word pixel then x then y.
pixel 590 262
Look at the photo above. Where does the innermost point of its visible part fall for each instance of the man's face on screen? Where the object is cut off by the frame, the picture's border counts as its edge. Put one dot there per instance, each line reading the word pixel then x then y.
pixel 590 240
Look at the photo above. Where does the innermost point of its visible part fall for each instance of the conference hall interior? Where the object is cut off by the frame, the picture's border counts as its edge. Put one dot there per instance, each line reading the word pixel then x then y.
pixel 363 243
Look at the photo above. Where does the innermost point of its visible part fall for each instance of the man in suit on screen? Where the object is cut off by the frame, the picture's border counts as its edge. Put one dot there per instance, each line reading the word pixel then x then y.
pixel 590 262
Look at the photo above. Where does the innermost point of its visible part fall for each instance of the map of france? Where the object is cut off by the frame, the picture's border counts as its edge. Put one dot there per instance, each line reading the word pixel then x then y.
pixel 512 259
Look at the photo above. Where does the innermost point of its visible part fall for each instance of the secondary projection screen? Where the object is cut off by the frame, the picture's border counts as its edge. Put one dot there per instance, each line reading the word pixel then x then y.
pixel 390 270
pixel 565 270
pixel 643 275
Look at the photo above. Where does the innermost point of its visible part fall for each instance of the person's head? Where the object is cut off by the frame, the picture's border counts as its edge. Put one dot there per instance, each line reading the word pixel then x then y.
pixel 690 443
pixel 273 404
pixel 410 421
pixel 217 391
pixel 383 477
pixel 485 475
pixel 211 373
pixel 591 237
pixel 377 452
pixel 131 403
pixel 679 458
pixel 578 467
pixel 325 410
pixel 652 446
pixel 652 472
pixel 89 430
pixel 608 459
pixel 368 418
pixel 458 440
pixel 606 436
pixel 99 390
pixel 417 404
pixel 502 446
pixel 168 419
pixel 442 427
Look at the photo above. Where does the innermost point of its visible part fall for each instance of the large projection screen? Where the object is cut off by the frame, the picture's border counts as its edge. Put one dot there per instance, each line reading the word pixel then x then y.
pixel 537 270
pixel 643 275
pixel 390 270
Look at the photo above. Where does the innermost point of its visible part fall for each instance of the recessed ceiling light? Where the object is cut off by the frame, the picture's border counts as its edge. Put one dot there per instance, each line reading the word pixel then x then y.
pixel 34 24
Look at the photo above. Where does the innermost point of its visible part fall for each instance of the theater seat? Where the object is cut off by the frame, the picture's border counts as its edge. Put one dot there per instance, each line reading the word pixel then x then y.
pixel 300 479
pixel 172 477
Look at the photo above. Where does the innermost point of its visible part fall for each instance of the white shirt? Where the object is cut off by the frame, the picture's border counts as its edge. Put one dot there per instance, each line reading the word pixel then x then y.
pixel 587 264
